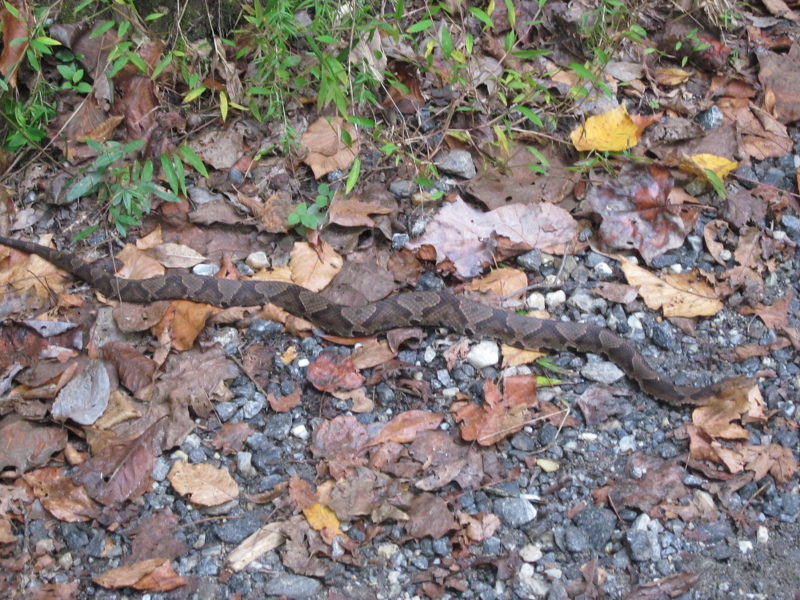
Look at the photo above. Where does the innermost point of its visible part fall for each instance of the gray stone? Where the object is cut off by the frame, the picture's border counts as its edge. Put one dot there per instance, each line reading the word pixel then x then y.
pixel 749 179
pixel 602 371
pixel 226 410
pixel 514 511
pixel 576 540
pixel 235 530
pixel 457 163
pixel 278 426
pixel 295 587
pixel 639 543
pixel 403 188
pixel 531 260
pixel 74 536
pixel 664 335
pixel 792 226
pixel 598 525
pixel 709 119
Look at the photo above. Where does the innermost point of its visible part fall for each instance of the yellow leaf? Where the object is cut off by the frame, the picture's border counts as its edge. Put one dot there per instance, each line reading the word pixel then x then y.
pixel 699 163
pixel 672 76
pixel 514 357
pixel 613 131
pixel 321 518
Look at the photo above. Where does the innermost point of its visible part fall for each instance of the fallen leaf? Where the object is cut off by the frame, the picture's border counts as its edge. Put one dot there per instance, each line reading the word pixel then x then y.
pixel 637 212
pixel 469 238
pixel 698 164
pixel 323 519
pixel 153 575
pixel 613 131
pixel 404 427
pixel 332 370
pixel 313 267
pixel 678 295
pixel 26 444
pixel 203 483
pixel 328 149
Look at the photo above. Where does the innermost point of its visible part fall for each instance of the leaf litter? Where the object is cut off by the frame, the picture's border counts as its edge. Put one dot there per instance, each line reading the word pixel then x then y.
pixel 408 466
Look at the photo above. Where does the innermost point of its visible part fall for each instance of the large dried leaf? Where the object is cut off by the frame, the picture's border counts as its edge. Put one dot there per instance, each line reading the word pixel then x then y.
pixel 328 150
pixel 153 575
pixel 637 212
pixel 469 238
pixel 85 397
pixel 679 295
pixel 25 444
pixel 121 471
pixel 404 427
pixel 60 496
pixel 204 484
pixel 314 267
pixel 136 371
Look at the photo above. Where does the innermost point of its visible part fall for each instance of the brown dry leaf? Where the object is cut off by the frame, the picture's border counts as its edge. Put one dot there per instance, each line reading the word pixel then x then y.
pixel 340 441
pixel 372 353
pixel 60 496
pixel 27 444
pixel 204 484
pixel 771 459
pixel 328 150
pixel 429 516
pixel 762 136
pixel 219 147
pixel 716 419
pixel 14 28
pixel 137 263
pixel 662 481
pixel 742 207
pixel 514 182
pixel 514 357
pixel 501 416
pixel 672 76
pixel 175 256
pixel 780 76
pixel 355 212
pixel 154 537
pixel 775 316
pixel 679 295
pixel 404 427
pixel 599 402
pixel 184 321
pixel 120 471
pixel 361 403
pixel 332 370
pixel 153 575
pixel 31 271
pixel 469 238
pixel 779 8
pixel 136 371
pixel 637 211
pixel 284 403
pixel 502 282
pixel 479 526
pixel 313 267
pixel 231 438
pixel 613 131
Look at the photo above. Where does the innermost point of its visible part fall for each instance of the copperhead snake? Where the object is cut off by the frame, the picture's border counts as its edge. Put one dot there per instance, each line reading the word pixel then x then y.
pixel 427 309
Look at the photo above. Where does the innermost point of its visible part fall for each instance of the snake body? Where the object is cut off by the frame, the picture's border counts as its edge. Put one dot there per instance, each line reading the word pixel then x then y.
pixel 430 308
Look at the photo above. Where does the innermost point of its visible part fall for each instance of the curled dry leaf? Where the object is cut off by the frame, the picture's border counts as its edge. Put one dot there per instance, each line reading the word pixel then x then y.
pixel 332 371
pixel 470 238
pixel 136 371
pixel 204 484
pixel 328 150
pixel 154 575
pixel 60 496
pixel 404 427
pixel 28 444
pixel 678 295
pixel 85 397
pixel 175 256
pixel 637 212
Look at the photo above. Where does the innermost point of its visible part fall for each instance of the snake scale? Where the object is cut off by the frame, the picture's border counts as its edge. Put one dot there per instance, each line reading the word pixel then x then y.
pixel 431 309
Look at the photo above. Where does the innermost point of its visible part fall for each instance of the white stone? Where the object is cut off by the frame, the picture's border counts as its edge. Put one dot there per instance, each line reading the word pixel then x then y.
pixel 484 354
pixel 627 443
pixel 300 431
pixel 387 550
pixel 745 546
pixel 602 271
pixel 762 535
pixel 554 299
pixel 257 261
pixel 535 301
pixel 535 586
pixel 530 553
pixel 303 362
pixel 430 354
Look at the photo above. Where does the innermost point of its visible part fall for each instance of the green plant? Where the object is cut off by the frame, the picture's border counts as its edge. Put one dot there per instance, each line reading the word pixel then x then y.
pixel 72 72
pixel 305 217
pixel 125 186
